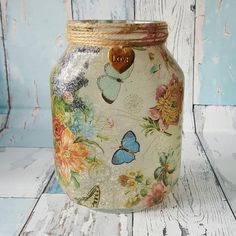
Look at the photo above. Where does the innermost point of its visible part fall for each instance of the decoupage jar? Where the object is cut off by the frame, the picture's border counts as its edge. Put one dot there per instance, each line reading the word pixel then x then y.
pixel 117 97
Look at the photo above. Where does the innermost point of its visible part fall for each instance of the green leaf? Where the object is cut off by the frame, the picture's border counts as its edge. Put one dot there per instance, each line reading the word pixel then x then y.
pixel 158 173
pixel 58 106
pixel 166 181
pixel 151 56
pixel 154 69
pixel 148 181
pixel 75 181
pixel 139 48
pixel 102 138
pixel 87 142
pixel 170 171
pixel 68 108
pixel 163 159
pixel 139 178
pixel 143 192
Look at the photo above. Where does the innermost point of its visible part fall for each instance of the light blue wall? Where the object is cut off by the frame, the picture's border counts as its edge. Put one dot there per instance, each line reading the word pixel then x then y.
pixel 217 72
pixel 34 39
pixel 3 79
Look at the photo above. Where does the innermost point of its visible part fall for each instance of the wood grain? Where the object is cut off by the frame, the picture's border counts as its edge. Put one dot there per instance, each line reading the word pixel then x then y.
pixel 216 128
pixel 34 38
pixel 4 82
pixel 24 172
pixel 196 207
pixel 180 42
pixel 103 9
pixel 55 214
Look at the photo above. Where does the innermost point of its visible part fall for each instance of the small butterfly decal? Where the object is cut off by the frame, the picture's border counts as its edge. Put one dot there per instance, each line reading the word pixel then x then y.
pixel 92 199
pixel 126 152
pixel 110 83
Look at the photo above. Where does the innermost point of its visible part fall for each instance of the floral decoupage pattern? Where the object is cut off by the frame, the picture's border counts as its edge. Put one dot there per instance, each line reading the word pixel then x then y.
pixel 117 136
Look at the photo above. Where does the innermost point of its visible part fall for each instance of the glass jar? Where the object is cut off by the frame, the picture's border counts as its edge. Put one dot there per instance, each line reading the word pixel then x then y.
pixel 117 97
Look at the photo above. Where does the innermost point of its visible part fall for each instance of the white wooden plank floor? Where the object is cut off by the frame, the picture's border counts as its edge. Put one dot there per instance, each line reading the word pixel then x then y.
pixel 24 172
pixel 216 128
pixel 197 206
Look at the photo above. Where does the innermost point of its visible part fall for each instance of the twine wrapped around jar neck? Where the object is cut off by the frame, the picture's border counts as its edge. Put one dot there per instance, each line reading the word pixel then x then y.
pixel 116 33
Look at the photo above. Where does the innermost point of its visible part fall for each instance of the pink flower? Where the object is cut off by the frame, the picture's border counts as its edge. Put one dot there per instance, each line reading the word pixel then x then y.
pixel 174 79
pixel 68 97
pixel 160 91
pixel 156 196
pixel 58 128
pixel 110 123
pixel 154 113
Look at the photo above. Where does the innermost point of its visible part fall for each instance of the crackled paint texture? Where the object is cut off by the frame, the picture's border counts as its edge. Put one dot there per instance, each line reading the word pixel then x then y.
pixel 217 70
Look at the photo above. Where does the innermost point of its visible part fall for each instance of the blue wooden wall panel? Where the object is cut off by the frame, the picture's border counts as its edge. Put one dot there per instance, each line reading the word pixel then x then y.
pixel 35 39
pixel 3 81
pixel 217 72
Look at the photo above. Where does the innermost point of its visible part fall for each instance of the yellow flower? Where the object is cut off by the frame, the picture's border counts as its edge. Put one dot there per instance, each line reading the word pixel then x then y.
pixel 132 174
pixel 132 201
pixel 169 105
pixel 94 165
pixel 132 183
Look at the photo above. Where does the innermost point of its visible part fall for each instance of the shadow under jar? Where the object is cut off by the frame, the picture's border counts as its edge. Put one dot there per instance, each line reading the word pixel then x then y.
pixel 117 97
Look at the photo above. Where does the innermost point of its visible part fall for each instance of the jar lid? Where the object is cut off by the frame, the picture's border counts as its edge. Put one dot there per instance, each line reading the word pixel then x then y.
pixel 116 33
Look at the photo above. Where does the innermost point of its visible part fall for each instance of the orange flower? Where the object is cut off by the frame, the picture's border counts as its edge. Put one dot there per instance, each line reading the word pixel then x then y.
pixel 69 156
pixel 123 179
pixel 58 128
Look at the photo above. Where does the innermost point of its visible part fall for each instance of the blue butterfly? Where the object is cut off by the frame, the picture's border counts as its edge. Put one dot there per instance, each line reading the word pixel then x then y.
pixel 126 152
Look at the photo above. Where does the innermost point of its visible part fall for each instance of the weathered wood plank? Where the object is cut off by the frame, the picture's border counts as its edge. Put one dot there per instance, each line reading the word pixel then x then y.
pixel 215 47
pixel 34 34
pixel 198 51
pixel 55 214
pixel 103 9
pixel 197 205
pixel 14 213
pixel 4 105
pixel 216 127
pixel 24 172
pixel 180 18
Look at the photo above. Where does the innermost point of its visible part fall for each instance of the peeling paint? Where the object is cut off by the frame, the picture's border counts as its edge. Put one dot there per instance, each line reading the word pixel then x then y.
pixel 35 112
pixel 14 27
pixel 123 225
pixel 200 16
pixel 226 31
pixel 219 4
pixel 36 95
pixel 68 8
pixel 23 9
pixel 4 4
pixel 231 73
pixel 214 82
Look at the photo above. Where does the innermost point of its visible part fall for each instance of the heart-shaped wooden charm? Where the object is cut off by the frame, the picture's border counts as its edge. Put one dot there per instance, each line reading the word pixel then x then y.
pixel 121 58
